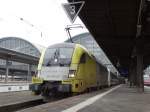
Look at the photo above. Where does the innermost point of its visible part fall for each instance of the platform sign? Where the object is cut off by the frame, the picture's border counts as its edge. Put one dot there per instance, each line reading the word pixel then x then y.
pixel 72 9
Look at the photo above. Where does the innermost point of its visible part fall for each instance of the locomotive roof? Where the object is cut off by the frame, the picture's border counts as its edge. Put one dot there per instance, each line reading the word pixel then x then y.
pixel 72 45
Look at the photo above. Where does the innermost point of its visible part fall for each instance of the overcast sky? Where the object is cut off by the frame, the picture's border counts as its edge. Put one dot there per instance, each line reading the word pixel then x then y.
pixel 47 16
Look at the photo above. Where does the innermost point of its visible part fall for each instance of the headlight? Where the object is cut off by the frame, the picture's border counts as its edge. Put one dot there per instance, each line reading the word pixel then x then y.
pixel 71 73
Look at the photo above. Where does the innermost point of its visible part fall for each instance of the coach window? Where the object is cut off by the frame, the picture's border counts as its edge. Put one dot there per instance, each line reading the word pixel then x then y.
pixel 83 58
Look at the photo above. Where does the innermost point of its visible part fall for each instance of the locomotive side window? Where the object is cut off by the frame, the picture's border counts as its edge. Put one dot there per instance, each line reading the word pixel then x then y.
pixel 83 58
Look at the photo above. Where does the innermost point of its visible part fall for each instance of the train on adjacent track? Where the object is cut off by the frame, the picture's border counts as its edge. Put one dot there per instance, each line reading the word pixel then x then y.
pixel 69 68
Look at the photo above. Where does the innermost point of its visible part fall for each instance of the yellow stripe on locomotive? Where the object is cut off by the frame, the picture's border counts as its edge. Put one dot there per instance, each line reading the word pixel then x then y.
pixel 85 70
pixel 37 80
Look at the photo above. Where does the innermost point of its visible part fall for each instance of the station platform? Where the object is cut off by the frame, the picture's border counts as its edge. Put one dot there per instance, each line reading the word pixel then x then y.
pixel 116 99
pixel 12 87
pixel 10 98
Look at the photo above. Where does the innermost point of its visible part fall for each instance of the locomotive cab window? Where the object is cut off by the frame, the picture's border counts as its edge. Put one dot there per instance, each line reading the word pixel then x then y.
pixel 60 56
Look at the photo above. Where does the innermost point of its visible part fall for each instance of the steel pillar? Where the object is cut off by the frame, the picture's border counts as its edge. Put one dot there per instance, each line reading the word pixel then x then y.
pixel 7 71
pixel 132 73
pixel 29 73
pixel 12 76
pixel 140 82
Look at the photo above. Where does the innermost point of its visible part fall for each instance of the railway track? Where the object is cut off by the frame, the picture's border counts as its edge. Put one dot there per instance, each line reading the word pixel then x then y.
pixel 19 106
pixel 27 104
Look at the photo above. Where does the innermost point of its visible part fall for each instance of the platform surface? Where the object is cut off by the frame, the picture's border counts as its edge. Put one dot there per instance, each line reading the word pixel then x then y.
pixel 120 99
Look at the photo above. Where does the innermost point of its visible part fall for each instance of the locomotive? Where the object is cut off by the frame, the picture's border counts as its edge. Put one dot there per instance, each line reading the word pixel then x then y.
pixel 69 68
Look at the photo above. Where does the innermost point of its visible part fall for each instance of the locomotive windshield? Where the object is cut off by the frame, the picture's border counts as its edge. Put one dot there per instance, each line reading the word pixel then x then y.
pixel 58 56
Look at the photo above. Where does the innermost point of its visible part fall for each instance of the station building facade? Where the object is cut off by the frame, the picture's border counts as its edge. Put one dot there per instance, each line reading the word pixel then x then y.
pixel 19 71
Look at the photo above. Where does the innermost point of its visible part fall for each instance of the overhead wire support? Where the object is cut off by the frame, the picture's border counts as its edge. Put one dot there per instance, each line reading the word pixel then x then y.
pixel 68 32
pixel 70 27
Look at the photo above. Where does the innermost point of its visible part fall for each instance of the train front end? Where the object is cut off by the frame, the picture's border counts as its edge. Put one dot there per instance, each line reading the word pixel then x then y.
pixel 53 69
